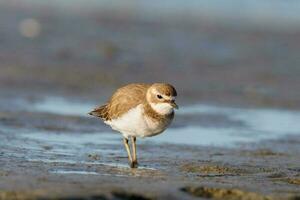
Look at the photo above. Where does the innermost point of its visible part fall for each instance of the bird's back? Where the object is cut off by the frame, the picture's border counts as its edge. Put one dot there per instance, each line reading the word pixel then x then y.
pixel 124 99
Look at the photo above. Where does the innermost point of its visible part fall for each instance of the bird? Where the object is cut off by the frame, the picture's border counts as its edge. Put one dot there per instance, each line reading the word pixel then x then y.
pixel 139 110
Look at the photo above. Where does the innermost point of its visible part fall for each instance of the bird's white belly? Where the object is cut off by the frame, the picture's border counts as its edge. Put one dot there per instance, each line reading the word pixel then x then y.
pixel 135 123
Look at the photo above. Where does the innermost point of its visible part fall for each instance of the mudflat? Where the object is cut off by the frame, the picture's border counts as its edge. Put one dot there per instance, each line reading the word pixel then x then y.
pixel 50 149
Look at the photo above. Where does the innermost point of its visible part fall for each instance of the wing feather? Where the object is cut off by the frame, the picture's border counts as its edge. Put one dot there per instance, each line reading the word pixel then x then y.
pixel 122 101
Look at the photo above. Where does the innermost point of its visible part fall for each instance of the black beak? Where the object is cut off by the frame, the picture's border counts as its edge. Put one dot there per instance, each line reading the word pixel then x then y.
pixel 174 105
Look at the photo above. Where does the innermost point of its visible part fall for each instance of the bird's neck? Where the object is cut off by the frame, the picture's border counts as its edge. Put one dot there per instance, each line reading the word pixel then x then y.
pixel 150 112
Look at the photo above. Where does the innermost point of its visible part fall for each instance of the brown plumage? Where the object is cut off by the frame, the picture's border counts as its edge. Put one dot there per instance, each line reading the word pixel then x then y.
pixel 129 96
pixel 139 110
pixel 122 101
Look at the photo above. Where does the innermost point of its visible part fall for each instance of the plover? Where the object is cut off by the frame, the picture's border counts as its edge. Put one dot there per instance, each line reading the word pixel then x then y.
pixel 139 110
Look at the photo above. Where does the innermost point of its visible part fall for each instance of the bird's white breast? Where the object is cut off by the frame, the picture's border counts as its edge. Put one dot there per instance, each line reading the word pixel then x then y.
pixel 136 123
pixel 162 108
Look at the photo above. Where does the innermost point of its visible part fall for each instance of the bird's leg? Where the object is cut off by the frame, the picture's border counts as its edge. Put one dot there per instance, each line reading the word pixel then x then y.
pixel 134 159
pixel 125 141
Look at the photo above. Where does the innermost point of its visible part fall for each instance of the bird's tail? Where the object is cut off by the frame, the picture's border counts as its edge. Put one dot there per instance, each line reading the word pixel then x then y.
pixel 100 112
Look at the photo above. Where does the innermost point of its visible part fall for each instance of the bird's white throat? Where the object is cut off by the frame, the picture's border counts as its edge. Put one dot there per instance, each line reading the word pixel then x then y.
pixel 162 108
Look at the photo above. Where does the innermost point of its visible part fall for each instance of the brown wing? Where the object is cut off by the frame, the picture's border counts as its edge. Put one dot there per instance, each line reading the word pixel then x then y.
pixel 123 100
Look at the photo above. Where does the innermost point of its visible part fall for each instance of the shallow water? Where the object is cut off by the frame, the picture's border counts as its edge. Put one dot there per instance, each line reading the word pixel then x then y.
pixel 78 172
pixel 270 122
pixel 75 150
pixel 66 149
pixel 58 105
pixel 258 124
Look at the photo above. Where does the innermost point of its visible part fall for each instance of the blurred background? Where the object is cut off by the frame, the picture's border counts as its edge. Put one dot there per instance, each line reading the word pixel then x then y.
pixel 224 52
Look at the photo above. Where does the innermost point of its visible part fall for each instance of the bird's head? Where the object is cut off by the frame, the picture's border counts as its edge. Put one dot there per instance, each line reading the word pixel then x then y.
pixel 161 97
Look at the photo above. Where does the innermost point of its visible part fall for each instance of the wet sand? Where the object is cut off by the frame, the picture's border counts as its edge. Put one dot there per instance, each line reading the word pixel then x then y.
pixel 67 155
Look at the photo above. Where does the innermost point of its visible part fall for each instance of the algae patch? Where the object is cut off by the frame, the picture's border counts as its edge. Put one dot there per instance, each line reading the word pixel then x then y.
pixel 15 195
pixel 223 193
pixel 266 152
pixel 295 181
pixel 122 195
pixel 211 169
pixel 4 173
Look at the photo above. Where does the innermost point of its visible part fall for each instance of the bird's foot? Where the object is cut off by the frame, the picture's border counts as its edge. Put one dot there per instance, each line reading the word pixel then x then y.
pixel 133 164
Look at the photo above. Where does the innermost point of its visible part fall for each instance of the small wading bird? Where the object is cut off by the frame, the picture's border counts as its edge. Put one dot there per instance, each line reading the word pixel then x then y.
pixel 139 110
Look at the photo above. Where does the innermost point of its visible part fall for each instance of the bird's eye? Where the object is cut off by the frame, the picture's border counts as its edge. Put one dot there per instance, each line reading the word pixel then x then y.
pixel 159 96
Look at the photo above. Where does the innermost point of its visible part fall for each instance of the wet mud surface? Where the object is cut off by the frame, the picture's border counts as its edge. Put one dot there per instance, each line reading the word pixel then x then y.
pixel 68 155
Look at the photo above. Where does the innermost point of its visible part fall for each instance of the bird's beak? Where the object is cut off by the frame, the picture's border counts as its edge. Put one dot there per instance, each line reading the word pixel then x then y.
pixel 174 105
